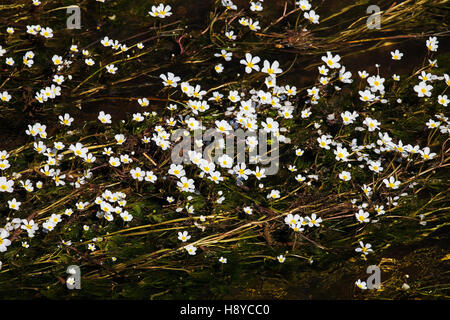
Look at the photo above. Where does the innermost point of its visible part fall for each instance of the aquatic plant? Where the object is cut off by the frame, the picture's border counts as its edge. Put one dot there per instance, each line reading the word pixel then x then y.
pixel 358 155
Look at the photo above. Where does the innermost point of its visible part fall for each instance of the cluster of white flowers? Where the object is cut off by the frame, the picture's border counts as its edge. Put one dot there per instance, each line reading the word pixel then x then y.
pixel 269 106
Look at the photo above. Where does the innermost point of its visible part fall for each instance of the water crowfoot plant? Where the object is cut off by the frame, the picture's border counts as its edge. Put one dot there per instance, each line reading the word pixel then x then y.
pixel 157 151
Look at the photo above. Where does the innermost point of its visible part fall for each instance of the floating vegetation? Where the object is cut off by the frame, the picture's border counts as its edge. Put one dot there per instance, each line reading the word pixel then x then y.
pixel 225 149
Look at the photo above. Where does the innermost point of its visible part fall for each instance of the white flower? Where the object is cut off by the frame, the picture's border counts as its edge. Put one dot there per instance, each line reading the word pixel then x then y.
pixel 341 154
pixel 332 62
pixel 230 35
pixel 426 155
pixel 78 149
pixel 89 62
pixel 66 119
pixel 150 176
pixel 396 55
pixel 274 194
pixel 191 249
pixel 223 126
pixel 366 96
pixel 345 175
pixel 312 16
pixel 431 124
pixel 304 5
pixel 273 69
pixel 376 83
pixel 183 236
pixel 313 221
pixel 391 183
pixel 234 96
pixel 4 243
pixel 29 226
pixel 143 102
pixel 170 79
pixel 14 204
pixel 115 162
pixel 219 68
pixel 6 185
pixel 432 43
pixel 375 166
pixel 250 63
pixel 160 11
pixel 361 284
pixel 120 138
pixel 57 60
pixel 364 248
pixel 177 170
pixel 137 174
pixel 259 173
pixel 423 89
pixel 372 124
pixel 111 68
pixel 348 117
pixel 443 100
pixel 362 216
pixel 193 124
pixel 224 54
pixel 345 76
pixel 254 26
pixel 4 164
pixel 5 96
pixel 186 184
pixel 225 161
pixel 270 125
pixel 324 142
pixel 104 117
pixel 215 176
pixel 106 42
pixel 126 216
pixel 379 210
pixel 242 171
